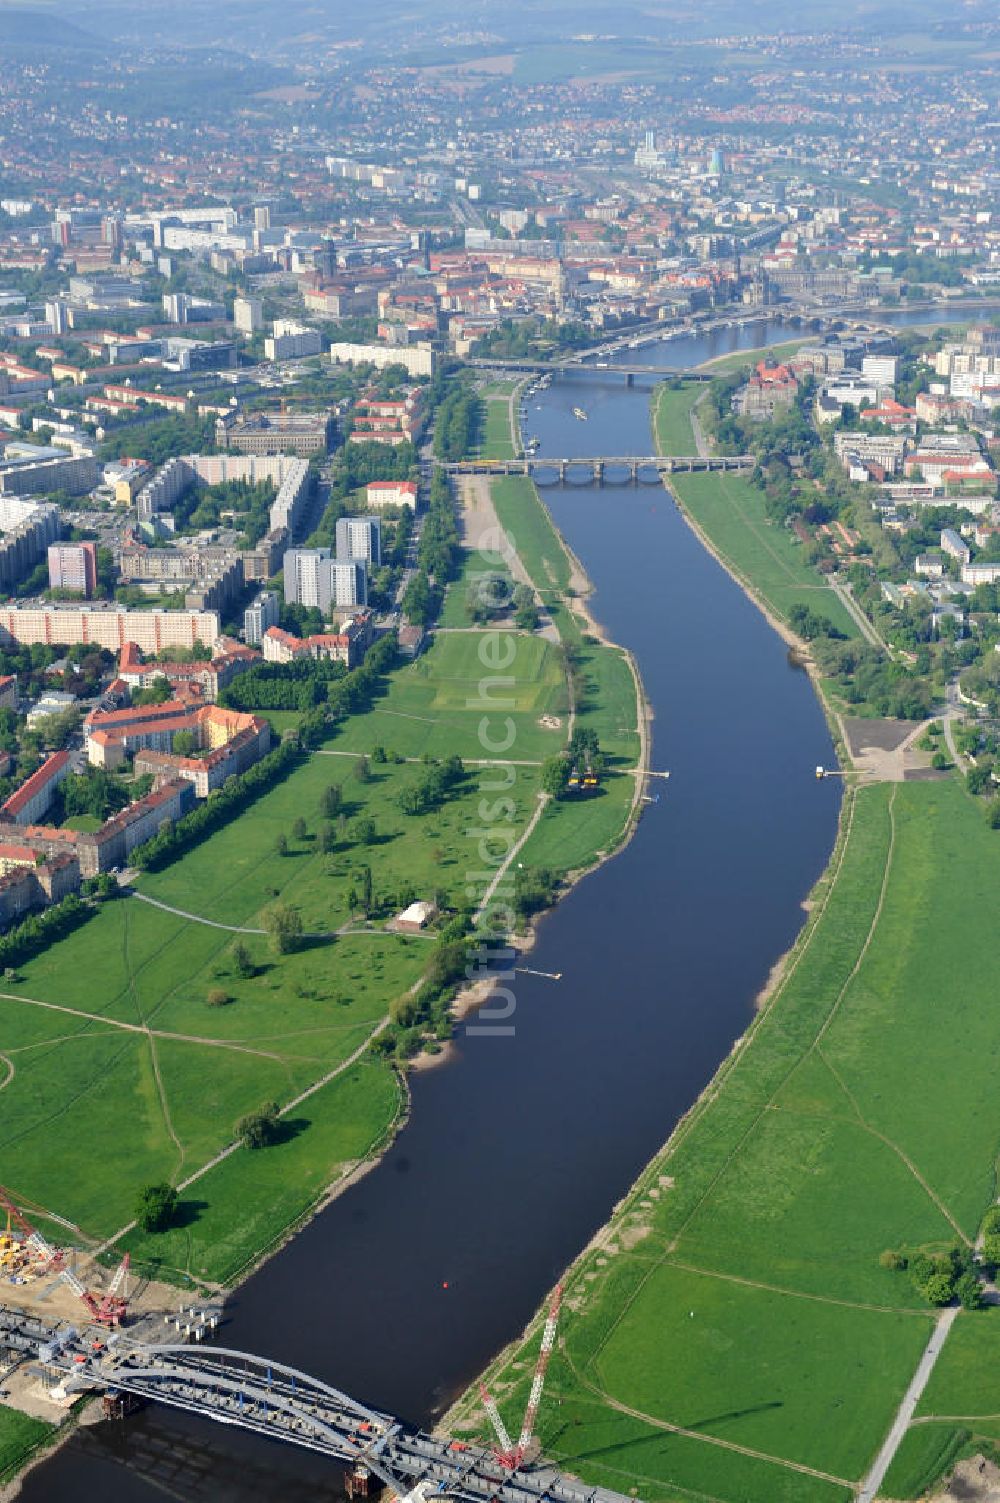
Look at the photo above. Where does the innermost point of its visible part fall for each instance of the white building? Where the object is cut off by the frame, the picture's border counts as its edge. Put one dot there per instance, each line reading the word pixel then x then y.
pixel 261 613
pixel 360 537
pixel 292 341
pixel 418 359
pixel 392 493
pixel 248 314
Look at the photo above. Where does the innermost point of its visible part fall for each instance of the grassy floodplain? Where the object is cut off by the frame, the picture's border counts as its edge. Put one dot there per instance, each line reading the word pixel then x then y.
pixel 20 1436
pixel 118 1070
pixel 736 1299
pixel 123 1074
pixel 766 559
pixel 732 1335
pixel 671 410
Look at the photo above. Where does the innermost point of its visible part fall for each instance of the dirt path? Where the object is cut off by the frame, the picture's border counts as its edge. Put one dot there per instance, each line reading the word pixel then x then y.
pixel 224 1153
pixel 502 871
pixel 875 1477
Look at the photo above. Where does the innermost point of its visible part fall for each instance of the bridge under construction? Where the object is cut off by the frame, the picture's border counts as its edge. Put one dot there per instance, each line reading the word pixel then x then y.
pixel 150 1363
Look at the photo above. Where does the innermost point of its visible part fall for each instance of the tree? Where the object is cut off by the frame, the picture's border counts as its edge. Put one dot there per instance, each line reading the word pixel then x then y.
pixel 327 838
pixel 184 743
pixel 260 1128
pixel 362 771
pixel 939 1289
pixel 155 1207
pixel 299 828
pixel 364 831
pixel 969 1291
pixel 281 843
pixel 364 889
pixel 555 772
pixel 331 801
pixel 284 925
pixel 243 960
pixel 218 997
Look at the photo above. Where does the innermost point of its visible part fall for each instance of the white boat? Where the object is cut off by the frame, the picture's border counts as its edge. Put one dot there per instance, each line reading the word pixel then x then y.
pixel 578 412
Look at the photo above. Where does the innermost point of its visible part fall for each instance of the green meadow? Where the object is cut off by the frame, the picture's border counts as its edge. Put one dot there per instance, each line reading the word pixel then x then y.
pixel 734 1334
pixel 766 558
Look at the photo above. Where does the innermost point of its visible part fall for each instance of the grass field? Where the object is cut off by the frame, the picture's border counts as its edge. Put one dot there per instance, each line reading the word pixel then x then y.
pixel 122 1073
pixel 454 613
pixel 19 1436
pixel 672 418
pixel 496 441
pixel 723 364
pixel 730 511
pixel 738 1293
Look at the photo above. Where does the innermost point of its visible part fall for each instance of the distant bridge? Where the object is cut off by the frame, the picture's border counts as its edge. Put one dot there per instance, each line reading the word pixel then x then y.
pixel 654 465
pixel 281 1403
pixel 586 362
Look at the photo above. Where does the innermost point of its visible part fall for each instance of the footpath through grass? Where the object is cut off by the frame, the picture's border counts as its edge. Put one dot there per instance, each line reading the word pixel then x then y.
pixel 737 1294
pixel 137 1042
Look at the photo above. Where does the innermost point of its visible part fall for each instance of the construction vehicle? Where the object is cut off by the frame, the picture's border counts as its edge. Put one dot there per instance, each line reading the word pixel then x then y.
pixel 509 1455
pixel 107 1309
pixel 24 1252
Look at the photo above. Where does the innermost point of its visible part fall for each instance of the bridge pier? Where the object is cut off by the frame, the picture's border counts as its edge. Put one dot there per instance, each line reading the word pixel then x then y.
pixel 598 470
pixel 562 471
pixel 630 379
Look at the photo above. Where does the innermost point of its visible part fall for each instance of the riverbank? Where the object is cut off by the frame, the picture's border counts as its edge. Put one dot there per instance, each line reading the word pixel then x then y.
pixel 736 1299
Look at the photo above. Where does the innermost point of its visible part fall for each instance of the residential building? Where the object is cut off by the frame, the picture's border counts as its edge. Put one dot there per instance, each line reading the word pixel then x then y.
pixel 292 341
pixel 248 314
pixel 359 537
pixel 261 613
pixel 73 566
pixel 392 493
pixel 416 359
pixel 52 702
pixel 34 798
pixel 77 475
pixel 955 546
pixel 313 578
pixel 106 626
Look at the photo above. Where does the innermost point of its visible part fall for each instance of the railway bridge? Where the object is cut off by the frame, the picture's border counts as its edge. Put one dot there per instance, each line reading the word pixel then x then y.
pixel 279 1402
pixel 636 467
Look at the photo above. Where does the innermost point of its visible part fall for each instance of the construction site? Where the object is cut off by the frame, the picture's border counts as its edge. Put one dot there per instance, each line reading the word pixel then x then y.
pixel 71 1329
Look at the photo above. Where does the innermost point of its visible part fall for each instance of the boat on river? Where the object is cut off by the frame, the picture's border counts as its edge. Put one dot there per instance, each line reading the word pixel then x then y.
pixel 578 412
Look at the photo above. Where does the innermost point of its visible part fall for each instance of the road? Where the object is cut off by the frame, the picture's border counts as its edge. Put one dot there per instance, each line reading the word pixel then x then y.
pixel 873 1481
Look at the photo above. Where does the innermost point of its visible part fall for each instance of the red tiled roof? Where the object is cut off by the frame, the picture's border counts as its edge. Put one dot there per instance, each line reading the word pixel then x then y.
pixel 22 796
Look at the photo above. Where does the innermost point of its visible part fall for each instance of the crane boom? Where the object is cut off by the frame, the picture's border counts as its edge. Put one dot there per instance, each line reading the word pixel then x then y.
pixel 538 1382
pixel 489 1404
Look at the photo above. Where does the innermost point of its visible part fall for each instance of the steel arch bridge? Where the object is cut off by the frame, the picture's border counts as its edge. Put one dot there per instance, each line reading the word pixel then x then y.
pixel 281 1403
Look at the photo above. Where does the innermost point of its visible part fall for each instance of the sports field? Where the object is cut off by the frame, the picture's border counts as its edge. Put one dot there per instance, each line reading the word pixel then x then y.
pixel 496 440
pixel 765 557
pixel 734 1336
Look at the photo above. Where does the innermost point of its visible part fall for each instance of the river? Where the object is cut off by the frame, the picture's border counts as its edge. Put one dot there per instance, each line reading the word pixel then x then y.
pixel 516 1151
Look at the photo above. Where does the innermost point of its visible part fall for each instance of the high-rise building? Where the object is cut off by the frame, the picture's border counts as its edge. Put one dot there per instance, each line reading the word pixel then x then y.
pixel 56 317
pixel 313 578
pixel 261 613
pixel 73 566
pixel 248 314
pixel 306 581
pixel 360 537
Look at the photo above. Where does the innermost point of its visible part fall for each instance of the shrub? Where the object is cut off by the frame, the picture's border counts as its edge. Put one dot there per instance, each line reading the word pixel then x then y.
pixel 218 997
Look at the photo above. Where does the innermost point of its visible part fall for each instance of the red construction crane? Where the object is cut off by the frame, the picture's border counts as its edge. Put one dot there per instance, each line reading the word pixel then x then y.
pixel 511 1456
pixel 106 1309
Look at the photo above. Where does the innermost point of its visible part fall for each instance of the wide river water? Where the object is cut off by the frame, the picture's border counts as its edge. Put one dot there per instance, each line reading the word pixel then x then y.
pixel 517 1150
